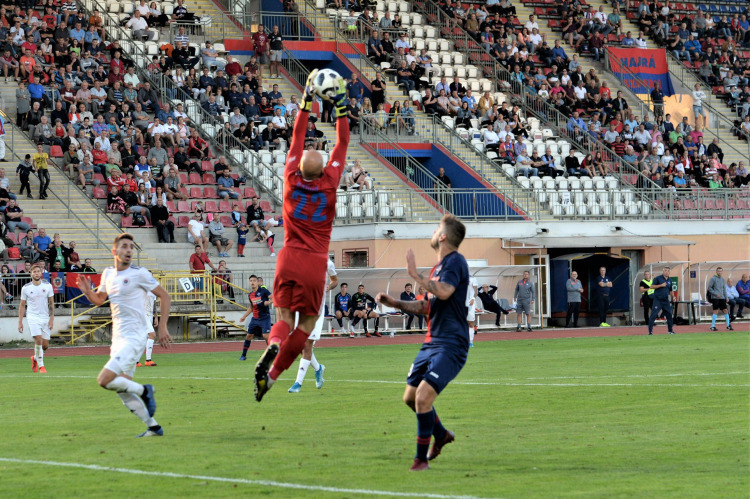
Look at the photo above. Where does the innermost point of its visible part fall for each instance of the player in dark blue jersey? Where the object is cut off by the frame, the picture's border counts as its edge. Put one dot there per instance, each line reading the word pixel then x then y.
pixel 446 344
pixel 342 309
pixel 260 324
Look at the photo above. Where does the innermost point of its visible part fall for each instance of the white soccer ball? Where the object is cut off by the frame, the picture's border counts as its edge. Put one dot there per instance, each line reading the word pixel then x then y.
pixel 325 83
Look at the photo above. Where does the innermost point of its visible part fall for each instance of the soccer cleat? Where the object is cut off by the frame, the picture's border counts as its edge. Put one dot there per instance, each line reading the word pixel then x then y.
pixel 518 329
pixel 159 432
pixel 351 334
pixel 419 465
pixel 151 363
pixel 713 328
pixel 671 332
pixel 148 399
pixel 319 377
pixel 296 387
pixel 377 333
pixel 34 365
pixel 139 365
pixel 740 316
pixel 438 445
pixel 528 329
pixel 730 328
pixel 650 333
pixel 604 324
pixel 242 357
pixel 261 370
pixel 42 370
pixel 368 335
pixel 471 345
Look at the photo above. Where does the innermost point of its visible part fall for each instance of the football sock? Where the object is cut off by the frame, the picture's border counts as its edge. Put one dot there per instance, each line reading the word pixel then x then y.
pixel 138 407
pixel 303 365
pixel 726 318
pixel 340 322
pixel 240 249
pixel 149 348
pixel 279 332
pixel 355 321
pixel 438 431
pixel 471 334
pixel 121 385
pixel 377 323
pixel 290 349
pixel 245 346
pixel 314 362
pixel 39 355
pixel 713 320
pixel 269 242
pixel 425 425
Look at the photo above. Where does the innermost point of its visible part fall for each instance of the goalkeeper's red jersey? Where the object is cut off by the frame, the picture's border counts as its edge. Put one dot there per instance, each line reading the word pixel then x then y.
pixel 310 206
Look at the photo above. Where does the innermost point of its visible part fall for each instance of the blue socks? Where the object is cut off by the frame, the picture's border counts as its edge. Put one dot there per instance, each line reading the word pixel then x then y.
pixel 713 320
pixel 245 346
pixel 425 426
pixel 726 318
pixel 438 430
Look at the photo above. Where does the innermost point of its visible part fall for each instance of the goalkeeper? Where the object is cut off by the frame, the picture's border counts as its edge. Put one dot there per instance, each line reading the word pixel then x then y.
pixel 309 211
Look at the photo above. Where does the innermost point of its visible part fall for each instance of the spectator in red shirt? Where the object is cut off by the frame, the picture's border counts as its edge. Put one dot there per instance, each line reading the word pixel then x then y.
pixel 197 147
pixel 233 67
pixel 198 262
pixel 260 42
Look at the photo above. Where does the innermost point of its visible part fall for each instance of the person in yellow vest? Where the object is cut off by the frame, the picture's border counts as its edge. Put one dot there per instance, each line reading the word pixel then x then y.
pixel 647 298
pixel 41 162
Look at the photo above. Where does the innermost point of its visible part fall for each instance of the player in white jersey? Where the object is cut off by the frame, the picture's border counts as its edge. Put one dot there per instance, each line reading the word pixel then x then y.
pixel 471 296
pixel 126 286
pixel 37 302
pixel 308 357
pixel 152 321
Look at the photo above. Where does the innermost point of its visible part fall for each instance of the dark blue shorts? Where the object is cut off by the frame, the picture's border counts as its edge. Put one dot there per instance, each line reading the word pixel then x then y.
pixel 259 327
pixel 437 365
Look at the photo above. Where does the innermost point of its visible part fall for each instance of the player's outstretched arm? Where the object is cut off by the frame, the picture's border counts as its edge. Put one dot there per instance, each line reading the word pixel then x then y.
pixel 21 313
pixel 342 127
pixel 98 298
pixel 297 144
pixel 419 307
pixel 165 305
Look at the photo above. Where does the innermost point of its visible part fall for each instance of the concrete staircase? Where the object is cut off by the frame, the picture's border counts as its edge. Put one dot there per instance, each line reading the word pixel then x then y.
pixel 221 27
pixel 735 150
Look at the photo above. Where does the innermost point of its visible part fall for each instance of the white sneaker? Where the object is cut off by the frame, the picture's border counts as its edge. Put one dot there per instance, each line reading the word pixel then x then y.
pixel 273 254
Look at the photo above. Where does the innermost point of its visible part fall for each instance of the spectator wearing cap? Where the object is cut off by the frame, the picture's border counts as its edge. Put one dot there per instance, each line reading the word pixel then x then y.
pixel 209 56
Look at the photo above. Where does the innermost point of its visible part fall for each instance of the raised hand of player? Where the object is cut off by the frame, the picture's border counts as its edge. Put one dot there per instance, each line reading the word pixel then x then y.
pixel 309 92
pixel 411 263
pixel 84 283
pixel 385 299
pixel 339 98
pixel 165 339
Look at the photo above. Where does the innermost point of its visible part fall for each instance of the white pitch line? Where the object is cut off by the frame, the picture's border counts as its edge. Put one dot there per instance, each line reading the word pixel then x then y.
pixel 244 481
pixel 401 382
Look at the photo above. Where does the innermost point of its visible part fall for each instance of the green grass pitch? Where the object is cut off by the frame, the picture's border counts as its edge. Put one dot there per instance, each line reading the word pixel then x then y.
pixel 636 416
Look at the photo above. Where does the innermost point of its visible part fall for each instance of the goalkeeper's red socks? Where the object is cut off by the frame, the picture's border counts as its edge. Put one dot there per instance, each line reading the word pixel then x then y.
pixel 291 347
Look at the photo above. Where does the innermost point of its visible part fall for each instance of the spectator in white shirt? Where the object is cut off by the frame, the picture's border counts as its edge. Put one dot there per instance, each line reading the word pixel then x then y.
pixel 131 77
pixel 640 42
pixel 698 97
pixel 491 139
pixel 139 26
pixel 531 24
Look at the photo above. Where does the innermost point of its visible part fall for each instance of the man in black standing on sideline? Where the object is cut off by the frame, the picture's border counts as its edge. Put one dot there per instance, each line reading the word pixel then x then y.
pixel 605 284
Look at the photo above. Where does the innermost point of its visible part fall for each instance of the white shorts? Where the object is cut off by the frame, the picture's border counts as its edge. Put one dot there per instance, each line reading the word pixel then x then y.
pixel 150 325
pixel 471 316
pixel 39 328
pixel 124 355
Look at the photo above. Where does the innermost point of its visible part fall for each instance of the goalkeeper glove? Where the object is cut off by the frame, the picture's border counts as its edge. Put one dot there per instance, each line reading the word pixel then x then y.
pixel 339 100
pixel 309 93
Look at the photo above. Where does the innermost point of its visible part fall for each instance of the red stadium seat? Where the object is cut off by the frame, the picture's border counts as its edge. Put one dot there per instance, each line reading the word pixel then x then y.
pixel 183 207
pixel 196 192
pixel 209 179
pixel 210 193
pixel 99 193
pixel 183 178
pixel 226 220
pixel 224 206
pixel 126 222
pixel 250 193
pixel 207 166
pixel 171 206
pixel 55 152
pixel 182 221
pixel 28 220
pixel 195 178
pixel 266 207
pixel 211 207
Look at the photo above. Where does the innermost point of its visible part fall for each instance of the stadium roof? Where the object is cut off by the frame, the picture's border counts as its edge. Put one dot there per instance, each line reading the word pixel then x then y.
pixel 613 241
